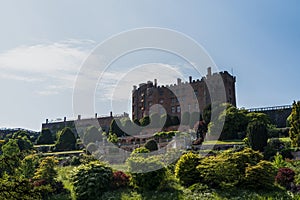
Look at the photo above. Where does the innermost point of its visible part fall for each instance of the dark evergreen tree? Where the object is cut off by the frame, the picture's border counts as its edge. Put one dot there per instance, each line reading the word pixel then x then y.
pixel 66 140
pixel 257 134
pixel 45 137
pixel 115 129
pixel 91 135
pixel 295 124
pixel 151 145
pixel 145 121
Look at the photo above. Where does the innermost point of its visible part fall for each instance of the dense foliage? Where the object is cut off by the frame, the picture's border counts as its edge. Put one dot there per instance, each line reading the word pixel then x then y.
pixel 228 169
pixel 91 135
pixel 45 137
pixel 151 145
pixel 91 180
pixel 295 124
pixel 257 135
pixel 185 169
pixel 146 173
pixel 285 177
pixel 66 140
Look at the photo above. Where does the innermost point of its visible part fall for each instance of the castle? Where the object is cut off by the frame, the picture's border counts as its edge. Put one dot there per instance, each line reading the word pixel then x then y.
pixel 148 94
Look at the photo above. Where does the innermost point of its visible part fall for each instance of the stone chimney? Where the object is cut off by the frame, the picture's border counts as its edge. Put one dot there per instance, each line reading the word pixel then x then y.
pixel 155 82
pixel 190 79
pixel 79 117
pixel 65 119
pixel 96 116
pixel 110 114
pixel 209 71
pixel 178 81
pixel 47 121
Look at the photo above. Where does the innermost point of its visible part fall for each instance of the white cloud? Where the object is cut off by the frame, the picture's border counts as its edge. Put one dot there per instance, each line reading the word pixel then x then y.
pixel 56 63
pixel 118 85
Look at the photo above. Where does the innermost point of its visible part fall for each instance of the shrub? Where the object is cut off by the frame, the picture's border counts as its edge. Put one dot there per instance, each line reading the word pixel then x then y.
pixel 260 176
pixel 151 145
pixel 120 179
pixel 91 148
pixel 257 135
pixel 185 169
pixel 140 151
pixel 45 137
pixel 146 173
pixel 227 169
pixel 46 170
pixel 218 172
pixel 285 177
pixel 66 140
pixel 91 135
pixel 91 180
pixel 28 166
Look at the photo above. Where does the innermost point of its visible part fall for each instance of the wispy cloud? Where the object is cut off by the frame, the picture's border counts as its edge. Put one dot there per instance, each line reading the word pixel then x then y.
pixel 56 63
pixel 118 85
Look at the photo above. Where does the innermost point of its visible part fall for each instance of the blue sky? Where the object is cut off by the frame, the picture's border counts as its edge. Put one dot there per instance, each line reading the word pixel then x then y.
pixel 43 44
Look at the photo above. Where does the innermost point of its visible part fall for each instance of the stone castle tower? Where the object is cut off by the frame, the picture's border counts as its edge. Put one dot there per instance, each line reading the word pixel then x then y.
pixel 195 99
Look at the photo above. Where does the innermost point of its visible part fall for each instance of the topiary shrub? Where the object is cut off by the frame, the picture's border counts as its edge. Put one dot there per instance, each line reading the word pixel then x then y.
pixel 139 150
pixel 260 176
pixel 185 168
pixel 91 180
pixel 151 145
pixel 218 172
pixel 257 135
pixel 66 140
pixel 120 179
pixel 146 173
pixel 45 137
pixel 285 177
pixel 91 148
pixel 226 170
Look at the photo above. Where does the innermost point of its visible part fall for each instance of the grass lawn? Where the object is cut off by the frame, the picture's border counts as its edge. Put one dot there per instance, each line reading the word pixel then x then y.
pixel 62 153
pixel 210 142
pixel 43 145
pixel 285 139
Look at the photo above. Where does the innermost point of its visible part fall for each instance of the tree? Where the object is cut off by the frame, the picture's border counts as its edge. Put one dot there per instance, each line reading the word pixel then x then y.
pixel 91 135
pixel 11 148
pixel 262 117
pixel 257 135
pixel 28 165
pixel 45 137
pixel 295 124
pixel 151 145
pixel 46 170
pixel 91 180
pixel 235 121
pixel 10 158
pixel 66 140
pixel 115 129
pixel 145 121
pixel 165 120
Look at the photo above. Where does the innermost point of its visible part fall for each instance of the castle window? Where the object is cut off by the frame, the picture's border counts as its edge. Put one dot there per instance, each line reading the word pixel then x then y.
pixel 161 92
pixel 178 109
pixel 173 109
pixel 196 93
pixel 173 100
